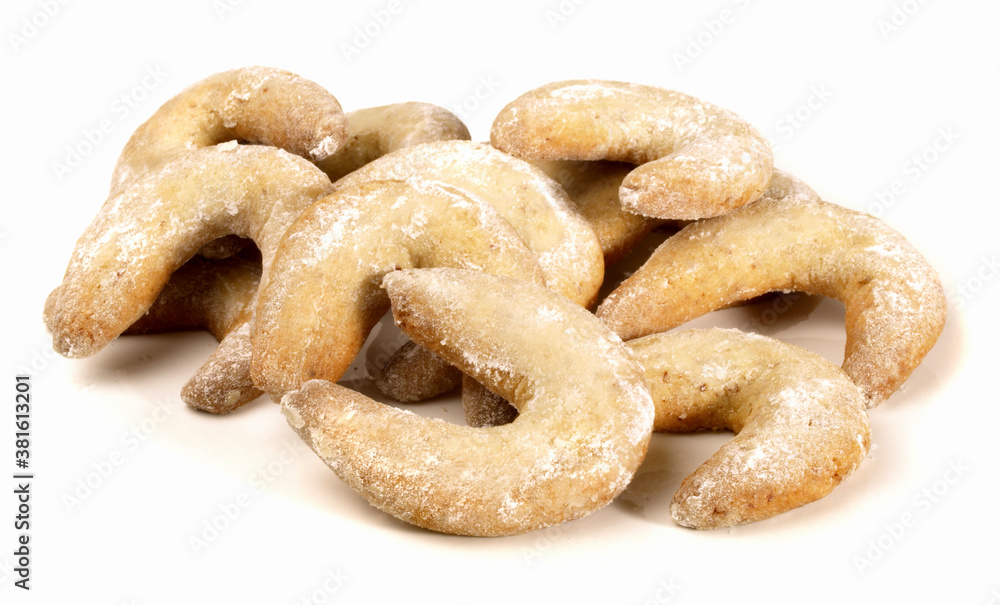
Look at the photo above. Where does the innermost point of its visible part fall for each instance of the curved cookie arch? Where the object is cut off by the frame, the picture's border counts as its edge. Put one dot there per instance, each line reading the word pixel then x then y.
pixel 322 298
pixel 260 105
pixel 568 251
pixel 895 303
pixel 569 453
pixel 801 424
pixel 146 232
pixel 694 159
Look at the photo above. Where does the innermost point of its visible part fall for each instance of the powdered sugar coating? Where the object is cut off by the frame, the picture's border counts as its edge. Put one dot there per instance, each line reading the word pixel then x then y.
pixel 223 384
pixel 894 299
pixel 567 248
pixel 376 131
pixel 323 298
pixel 584 425
pixel 694 159
pixel 545 218
pixel 148 230
pixel 251 104
pixel 801 424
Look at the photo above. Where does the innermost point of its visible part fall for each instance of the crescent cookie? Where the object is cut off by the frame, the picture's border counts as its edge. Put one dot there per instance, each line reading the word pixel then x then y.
pixel 895 303
pixel 567 248
pixel 322 297
pixel 251 105
pixel 593 187
pixel 147 231
pixel 568 251
pixel 583 430
pixel 694 159
pixel 801 424
pixel 376 131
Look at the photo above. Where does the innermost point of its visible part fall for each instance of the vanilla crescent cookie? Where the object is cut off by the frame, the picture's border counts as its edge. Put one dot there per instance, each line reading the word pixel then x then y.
pixel 694 159
pixel 148 230
pixel 801 424
pixel 483 408
pixel 585 421
pixel 568 250
pixel 535 205
pixel 376 131
pixel 251 105
pixel 895 303
pixel 322 297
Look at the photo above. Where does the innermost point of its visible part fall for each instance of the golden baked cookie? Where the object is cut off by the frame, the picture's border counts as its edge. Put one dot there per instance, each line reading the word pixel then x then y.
pixel 894 299
pixel 694 159
pixel 801 424
pixel 260 105
pixel 155 224
pixel 583 430
pixel 568 251
pixel 322 298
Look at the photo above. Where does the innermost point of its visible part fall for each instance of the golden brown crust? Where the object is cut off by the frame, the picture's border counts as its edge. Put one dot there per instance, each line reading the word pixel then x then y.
pixel 801 424
pixel 894 298
pixel 695 159
pixel 535 205
pixel 322 298
pixel 583 430
pixel 376 131
pixel 260 105
pixel 567 249
pixel 148 230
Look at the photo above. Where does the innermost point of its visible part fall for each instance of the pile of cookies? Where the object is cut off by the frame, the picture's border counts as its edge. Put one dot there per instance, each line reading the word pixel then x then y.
pixel 252 206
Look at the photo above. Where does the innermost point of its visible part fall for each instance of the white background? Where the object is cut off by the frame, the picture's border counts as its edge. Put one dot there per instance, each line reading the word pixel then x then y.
pixel 850 92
